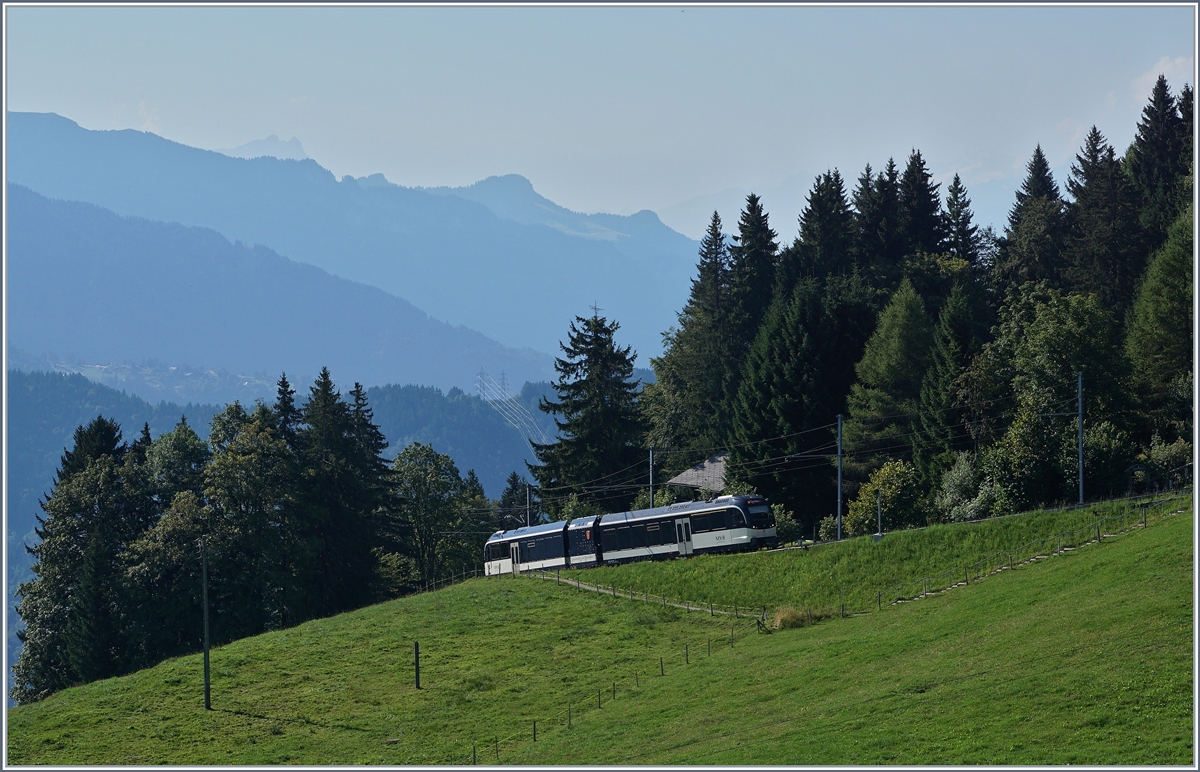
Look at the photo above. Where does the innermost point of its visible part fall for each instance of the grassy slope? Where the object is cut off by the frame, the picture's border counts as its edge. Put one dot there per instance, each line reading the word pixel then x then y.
pixel 1083 658
pixel 815 577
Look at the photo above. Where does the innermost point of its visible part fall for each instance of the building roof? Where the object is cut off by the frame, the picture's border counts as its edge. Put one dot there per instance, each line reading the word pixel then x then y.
pixel 708 474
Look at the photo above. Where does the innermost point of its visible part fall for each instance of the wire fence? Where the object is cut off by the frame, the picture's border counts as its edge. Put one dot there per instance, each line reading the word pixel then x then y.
pixel 1125 516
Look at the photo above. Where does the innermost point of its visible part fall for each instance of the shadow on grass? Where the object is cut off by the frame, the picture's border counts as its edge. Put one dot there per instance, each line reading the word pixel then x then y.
pixel 289 719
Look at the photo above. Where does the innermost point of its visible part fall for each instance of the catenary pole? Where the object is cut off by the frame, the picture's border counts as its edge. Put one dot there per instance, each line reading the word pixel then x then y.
pixel 526 506
pixel 839 487
pixel 204 600
pixel 1080 397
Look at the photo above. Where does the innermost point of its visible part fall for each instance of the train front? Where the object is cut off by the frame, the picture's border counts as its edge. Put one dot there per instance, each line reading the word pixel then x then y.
pixel 761 522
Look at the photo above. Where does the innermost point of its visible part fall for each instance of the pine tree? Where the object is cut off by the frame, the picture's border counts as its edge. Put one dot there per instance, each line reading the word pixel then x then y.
pixel 920 209
pixel 511 506
pixel 1103 248
pixel 601 428
pixel 1154 160
pixel 1031 250
pixel 940 424
pixel 962 236
pixel 101 437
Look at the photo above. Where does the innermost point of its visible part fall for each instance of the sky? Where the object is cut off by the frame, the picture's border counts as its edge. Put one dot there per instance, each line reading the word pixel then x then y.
pixel 681 110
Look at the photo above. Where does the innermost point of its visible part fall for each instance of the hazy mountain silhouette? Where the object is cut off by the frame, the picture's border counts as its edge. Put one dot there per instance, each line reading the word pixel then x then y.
pixel 88 284
pixel 494 257
pixel 270 146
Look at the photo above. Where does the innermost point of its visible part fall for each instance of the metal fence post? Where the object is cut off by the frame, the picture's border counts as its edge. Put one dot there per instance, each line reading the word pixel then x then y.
pixel 417 662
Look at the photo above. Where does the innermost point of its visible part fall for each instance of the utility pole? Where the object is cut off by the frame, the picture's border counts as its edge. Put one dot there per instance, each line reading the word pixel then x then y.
pixel 879 510
pixel 204 600
pixel 526 505
pixel 839 490
pixel 652 478
pixel 1080 397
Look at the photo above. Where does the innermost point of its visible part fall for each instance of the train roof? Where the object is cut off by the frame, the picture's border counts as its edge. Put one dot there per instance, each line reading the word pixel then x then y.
pixel 681 508
pixel 528 530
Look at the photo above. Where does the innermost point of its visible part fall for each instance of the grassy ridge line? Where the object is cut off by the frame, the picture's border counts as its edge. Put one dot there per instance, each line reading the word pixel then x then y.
pixel 497 654
pixel 1082 660
pixel 859 567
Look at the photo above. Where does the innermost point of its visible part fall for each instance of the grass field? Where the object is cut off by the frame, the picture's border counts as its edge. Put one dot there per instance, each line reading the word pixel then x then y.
pixel 1083 658
pixel 855 569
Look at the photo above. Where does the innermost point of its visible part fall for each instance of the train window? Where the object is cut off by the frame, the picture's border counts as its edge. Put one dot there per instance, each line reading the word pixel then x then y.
pixel 637 536
pixel 700 523
pixel 736 520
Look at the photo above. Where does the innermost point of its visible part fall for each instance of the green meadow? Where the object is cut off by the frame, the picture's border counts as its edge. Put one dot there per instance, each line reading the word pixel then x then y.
pixel 1083 658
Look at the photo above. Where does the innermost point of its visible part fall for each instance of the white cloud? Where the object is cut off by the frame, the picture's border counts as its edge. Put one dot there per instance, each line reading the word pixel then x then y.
pixel 1177 71
pixel 149 116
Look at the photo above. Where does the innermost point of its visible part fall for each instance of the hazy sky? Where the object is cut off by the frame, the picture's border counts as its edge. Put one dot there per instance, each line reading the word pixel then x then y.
pixel 679 110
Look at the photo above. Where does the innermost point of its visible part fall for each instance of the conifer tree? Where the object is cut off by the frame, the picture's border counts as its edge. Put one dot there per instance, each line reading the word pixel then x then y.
pixel 1031 250
pixel 752 266
pixel 511 507
pixel 826 239
pixel 920 208
pixel 1160 337
pixel 1154 161
pixel 962 236
pixel 879 247
pixel 601 428
pixel 687 406
pixel 796 379
pixel 1103 248
pixel 883 403
pixel 101 437
pixel 940 424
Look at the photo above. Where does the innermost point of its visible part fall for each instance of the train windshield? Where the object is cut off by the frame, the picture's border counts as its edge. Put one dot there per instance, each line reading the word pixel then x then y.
pixel 761 517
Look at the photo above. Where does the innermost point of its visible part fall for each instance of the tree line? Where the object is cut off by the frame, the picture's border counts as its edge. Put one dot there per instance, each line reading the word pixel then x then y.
pixel 298 512
pixel 949 352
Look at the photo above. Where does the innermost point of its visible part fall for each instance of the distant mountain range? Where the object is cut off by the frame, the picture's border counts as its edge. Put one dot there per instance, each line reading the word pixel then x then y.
pixel 494 257
pixel 271 146
pixel 101 288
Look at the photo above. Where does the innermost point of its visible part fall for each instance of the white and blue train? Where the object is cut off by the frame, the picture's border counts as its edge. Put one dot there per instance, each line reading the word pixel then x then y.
pixel 724 524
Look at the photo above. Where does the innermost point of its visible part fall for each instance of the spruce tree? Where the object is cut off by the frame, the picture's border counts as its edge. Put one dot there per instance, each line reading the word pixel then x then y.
pixel 883 403
pixel 826 240
pixel 941 426
pixel 962 236
pixel 752 266
pixel 879 248
pixel 1160 337
pixel 511 507
pixel 100 437
pixel 601 429
pixel 687 406
pixel 794 386
pixel 1032 246
pixel 1154 162
pixel 1103 248
pixel 920 209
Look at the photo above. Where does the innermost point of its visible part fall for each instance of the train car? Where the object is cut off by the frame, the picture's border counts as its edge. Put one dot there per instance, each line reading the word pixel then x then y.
pixel 533 548
pixel 728 523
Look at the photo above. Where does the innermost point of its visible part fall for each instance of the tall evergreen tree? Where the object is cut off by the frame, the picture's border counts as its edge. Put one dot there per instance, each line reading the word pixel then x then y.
pixel 601 429
pixel 687 406
pixel 511 507
pixel 1154 161
pixel 752 265
pixel 338 503
pixel 920 208
pixel 100 437
pixel 1103 248
pixel 879 247
pixel 962 236
pixel 826 240
pixel 1031 250
pixel 796 379
pixel 940 424
pixel 1160 338
pixel 883 403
